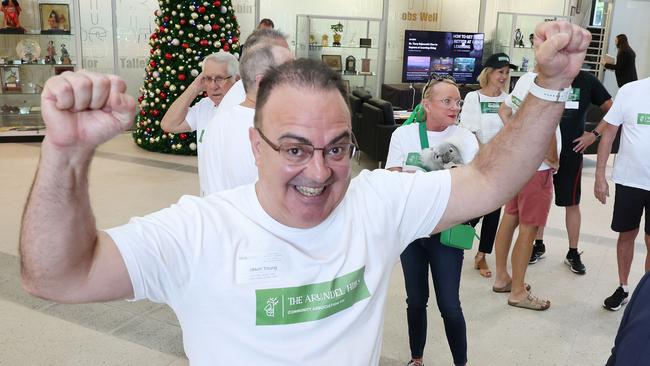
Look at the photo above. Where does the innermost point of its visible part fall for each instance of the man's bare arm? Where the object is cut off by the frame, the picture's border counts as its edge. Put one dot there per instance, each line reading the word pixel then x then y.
pixel 174 119
pixel 504 165
pixel 601 188
pixel 63 256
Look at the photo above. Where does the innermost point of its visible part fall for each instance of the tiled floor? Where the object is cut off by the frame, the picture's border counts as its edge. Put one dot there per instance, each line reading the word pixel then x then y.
pixel 127 181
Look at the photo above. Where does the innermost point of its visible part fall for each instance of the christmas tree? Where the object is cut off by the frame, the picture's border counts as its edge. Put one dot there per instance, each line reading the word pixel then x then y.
pixel 187 31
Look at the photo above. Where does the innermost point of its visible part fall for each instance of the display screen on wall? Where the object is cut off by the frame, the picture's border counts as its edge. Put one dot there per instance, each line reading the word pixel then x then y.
pixel 456 54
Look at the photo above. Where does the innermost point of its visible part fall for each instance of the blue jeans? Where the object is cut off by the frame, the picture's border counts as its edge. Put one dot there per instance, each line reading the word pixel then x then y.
pixel 446 264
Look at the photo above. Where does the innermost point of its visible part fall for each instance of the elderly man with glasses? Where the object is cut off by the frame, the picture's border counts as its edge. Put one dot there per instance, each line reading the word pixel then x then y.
pixel 293 269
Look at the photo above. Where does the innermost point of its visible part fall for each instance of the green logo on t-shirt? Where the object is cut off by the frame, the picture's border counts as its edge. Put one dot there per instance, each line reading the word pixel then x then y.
pixel 516 101
pixel 643 119
pixel 415 160
pixel 490 107
pixel 201 136
pixel 290 305
pixel 574 95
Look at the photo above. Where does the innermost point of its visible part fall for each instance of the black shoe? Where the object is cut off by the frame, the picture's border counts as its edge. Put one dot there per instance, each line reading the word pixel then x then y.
pixel 618 299
pixel 575 263
pixel 538 253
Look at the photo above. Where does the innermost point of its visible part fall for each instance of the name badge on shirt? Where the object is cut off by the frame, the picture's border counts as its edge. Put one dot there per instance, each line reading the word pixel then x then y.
pixel 259 266
pixel 574 99
pixel 490 107
pixel 643 119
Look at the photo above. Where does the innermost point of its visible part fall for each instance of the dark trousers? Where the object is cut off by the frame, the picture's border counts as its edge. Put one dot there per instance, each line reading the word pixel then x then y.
pixel 632 343
pixel 446 264
pixel 489 231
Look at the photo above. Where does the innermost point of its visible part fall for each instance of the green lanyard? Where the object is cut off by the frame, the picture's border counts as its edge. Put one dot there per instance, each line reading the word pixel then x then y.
pixel 424 139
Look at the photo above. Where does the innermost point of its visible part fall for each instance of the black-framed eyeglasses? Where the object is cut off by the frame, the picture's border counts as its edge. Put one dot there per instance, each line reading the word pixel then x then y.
pixel 299 153
pixel 216 79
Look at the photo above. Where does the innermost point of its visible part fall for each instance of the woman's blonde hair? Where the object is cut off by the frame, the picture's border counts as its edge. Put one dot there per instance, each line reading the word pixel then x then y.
pixel 426 91
pixel 483 78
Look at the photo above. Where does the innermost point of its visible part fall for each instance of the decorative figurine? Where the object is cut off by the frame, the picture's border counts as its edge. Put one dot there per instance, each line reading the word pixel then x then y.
pixel 65 56
pixel 524 64
pixel 337 28
pixel 324 40
pixel 519 38
pixel 11 10
pixel 531 38
pixel 51 53
pixel 350 65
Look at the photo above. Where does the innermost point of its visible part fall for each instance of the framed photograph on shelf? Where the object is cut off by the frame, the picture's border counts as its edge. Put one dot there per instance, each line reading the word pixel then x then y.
pixel 55 18
pixel 333 61
pixel 10 78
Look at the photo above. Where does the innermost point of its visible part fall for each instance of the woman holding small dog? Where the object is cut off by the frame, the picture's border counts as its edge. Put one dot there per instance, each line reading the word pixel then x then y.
pixel 480 115
pixel 436 143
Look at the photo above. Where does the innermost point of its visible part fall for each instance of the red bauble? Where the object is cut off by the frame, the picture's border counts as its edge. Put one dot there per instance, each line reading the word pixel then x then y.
pixel 201 9
pixel 226 47
pixel 151 51
pixel 148 129
pixel 166 19
pixel 215 27
pixel 163 95
pixel 155 113
pixel 154 36
pixel 142 112
pixel 235 39
pixel 182 136
pixel 185 45
pixel 181 77
pixel 182 21
pixel 204 42
pixel 152 63
pixel 217 3
pixel 168 56
pixel 140 98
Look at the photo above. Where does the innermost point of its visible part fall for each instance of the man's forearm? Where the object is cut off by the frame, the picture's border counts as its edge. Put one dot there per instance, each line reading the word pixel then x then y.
pixel 177 112
pixel 58 231
pixel 604 149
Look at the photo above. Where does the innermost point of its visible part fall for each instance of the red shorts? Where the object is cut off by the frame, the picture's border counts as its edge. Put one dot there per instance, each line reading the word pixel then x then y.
pixel 533 202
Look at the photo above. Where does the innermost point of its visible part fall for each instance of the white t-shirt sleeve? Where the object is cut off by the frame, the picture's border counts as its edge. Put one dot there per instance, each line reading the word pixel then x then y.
pixel 396 153
pixel 193 116
pixel 159 250
pixel 470 115
pixel 615 116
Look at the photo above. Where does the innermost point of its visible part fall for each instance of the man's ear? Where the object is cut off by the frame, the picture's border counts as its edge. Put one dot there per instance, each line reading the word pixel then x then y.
pixel 256 143
pixel 237 78
pixel 258 78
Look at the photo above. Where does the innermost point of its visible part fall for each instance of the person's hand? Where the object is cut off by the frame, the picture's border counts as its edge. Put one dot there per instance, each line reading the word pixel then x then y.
pixel 584 141
pixel 602 61
pixel 198 85
pixel 601 189
pixel 560 49
pixel 84 109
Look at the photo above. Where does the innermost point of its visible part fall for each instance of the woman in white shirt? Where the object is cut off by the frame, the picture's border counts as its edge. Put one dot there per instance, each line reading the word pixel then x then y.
pixel 480 115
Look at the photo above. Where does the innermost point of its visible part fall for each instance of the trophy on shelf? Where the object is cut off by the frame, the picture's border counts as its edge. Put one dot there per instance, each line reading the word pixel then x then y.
pixel 11 11
pixel 337 28
pixel 350 65
pixel 519 38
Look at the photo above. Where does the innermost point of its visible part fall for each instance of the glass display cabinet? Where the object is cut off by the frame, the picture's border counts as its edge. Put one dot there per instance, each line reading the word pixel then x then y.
pixel 46 42
pixel 348 45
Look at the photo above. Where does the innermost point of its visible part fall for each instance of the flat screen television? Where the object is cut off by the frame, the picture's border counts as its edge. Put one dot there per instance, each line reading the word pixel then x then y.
pixel 458 54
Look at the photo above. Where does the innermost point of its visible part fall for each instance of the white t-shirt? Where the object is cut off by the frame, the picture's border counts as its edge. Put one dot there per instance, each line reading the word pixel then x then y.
pixel 631 109
pixel 200 115
pixel 249 290
pixel 480 114
pixel 227 157
pixel 406 140
pixel 234 96
pixel 514 100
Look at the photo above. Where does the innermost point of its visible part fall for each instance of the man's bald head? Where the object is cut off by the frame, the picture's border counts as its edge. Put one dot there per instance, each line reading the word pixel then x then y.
pixel 257 60
pixel 266 36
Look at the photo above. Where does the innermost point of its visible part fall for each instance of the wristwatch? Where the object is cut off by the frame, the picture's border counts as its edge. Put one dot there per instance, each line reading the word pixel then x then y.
pixel 549 94
pixel 595 134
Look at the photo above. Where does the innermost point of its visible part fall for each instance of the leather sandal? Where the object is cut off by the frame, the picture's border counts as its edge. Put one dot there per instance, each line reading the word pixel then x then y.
pixel 481 264
pixel 531 302
pixel 508 288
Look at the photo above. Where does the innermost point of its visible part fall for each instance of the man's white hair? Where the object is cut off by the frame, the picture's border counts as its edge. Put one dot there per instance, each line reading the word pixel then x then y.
pixel 225 58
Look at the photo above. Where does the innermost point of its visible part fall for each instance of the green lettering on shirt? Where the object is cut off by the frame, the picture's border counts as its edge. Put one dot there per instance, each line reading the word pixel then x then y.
pixel 290 305
pixel 414 159
pixel 643 119
pixel 574 96
pixel 516 101
pixel 490 107
pixel 201 136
